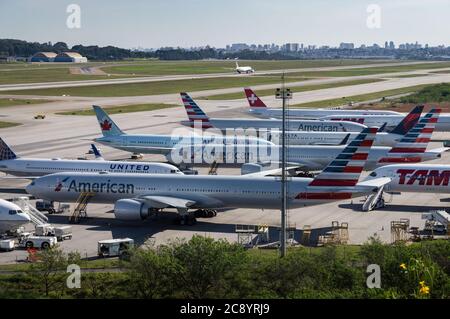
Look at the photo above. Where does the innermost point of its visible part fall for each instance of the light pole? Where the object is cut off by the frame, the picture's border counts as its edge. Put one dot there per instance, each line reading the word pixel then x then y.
pixel 284 94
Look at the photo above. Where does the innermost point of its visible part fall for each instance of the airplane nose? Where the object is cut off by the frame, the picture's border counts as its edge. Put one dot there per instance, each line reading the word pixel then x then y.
pixel 30 187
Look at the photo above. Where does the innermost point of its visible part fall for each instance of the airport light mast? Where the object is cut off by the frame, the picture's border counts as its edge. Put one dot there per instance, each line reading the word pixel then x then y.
pixel 284 94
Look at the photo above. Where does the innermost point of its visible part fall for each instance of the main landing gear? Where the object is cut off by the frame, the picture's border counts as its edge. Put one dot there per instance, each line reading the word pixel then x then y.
pixel 185 218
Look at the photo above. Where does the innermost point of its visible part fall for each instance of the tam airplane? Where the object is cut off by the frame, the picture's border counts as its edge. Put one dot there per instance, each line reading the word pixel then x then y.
pixel 12 164
pixel 244 69
pixel 198 118
pixel 138 196
pixel 114 137
pixel 260 109
pixel 411 148
pixel 11 217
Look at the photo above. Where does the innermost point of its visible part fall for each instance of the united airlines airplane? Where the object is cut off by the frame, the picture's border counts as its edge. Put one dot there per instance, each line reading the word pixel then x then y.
pixel 12 164
pixel 136 197
pixel 114 137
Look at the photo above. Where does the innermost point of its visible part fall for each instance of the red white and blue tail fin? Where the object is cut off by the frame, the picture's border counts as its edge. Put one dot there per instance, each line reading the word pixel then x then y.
pixel 194 112
pixel 415 142
pixel 408 121
pixel 253 99
pixel 346 169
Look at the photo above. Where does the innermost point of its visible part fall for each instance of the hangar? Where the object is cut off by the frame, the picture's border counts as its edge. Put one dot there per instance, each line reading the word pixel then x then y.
pixel 43 57
pixel 73 57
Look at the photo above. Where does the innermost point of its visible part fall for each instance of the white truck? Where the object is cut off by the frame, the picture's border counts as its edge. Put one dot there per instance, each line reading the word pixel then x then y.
pixel 115 247
pixel 32 241
pixel 7 245
pixel 60 232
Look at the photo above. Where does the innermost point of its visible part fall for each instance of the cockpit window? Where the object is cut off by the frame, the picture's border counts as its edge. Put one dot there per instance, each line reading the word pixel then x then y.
pixel 373 174
pixel 14 212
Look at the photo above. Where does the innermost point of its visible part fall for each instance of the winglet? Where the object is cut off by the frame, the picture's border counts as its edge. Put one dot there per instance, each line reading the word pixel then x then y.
pixel 97 154
pixel 108 127
pixel 194 112
pixel 253 99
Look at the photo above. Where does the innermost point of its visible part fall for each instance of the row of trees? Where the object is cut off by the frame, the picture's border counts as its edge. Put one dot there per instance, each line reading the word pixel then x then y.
pixel 207 268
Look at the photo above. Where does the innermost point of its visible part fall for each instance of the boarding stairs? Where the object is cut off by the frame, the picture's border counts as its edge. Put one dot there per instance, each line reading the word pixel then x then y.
pixel 374 200
pixel 213 168
pixel 36 217
pixel 80 208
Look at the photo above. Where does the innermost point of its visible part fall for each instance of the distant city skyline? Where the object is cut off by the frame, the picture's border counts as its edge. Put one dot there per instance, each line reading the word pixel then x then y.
pixel 197 23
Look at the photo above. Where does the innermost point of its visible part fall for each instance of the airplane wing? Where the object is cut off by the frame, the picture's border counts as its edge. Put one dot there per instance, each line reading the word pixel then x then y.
pixel 372 184
pixel 167 201
pixel 440 150
pixel 275 171
pixel 19 177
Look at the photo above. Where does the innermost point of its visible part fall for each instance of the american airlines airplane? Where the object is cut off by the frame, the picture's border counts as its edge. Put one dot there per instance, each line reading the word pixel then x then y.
pixel 244 69
pixel 136 197
pixel 410 149
pixel 260 109
pixel 11 217
pixel 114 137
pixel 336 138
pixel 198 118
pixel 12 164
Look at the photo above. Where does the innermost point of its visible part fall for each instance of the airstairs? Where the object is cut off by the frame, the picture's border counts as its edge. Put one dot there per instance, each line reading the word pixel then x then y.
pixel 80 208
pixel 36 217
pixel 374 200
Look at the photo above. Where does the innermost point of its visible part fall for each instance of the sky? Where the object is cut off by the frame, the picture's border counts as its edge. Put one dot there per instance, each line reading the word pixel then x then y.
pixel 187 23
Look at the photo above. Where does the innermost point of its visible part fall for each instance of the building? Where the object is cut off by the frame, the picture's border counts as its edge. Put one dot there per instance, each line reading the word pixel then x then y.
pixel 344 45
pixel 43 57
pixel 73 57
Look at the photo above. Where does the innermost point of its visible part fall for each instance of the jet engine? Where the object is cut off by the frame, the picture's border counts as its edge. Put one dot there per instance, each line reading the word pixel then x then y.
pixel 131 209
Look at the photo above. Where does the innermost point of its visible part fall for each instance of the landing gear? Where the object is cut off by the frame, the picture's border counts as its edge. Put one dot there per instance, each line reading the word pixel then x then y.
pixel 209 213
pixel 188 219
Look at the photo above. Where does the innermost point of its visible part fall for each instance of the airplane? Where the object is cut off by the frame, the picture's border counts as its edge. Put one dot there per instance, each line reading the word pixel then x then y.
pixel 260 109
pixel 114 137
pixel 138 196
pixel 443 124
pixel 10 163
pixel 336 138
pixel 198 119
pixel 243 69
pixel 11 217
pixel 411 148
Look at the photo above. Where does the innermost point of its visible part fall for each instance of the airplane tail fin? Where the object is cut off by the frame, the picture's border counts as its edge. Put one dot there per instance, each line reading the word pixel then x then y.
pixel 108 127
pixel 6 153
pixel 194 112
pixel 408 121
pixel 253 99
pixel 346 169
pixel 97 154
pixel 415 141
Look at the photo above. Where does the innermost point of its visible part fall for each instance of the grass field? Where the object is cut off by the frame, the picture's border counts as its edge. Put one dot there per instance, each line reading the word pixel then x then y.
pixel 360 98
pixel 121 109
pixel 159 87
pixel 4 124
pixel 240 95
pixel 12 102
pixel 374 70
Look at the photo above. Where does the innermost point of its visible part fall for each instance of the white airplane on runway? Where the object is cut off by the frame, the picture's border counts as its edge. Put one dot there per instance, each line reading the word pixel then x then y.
pixel 410 149
pixel 244 69
pixel 198 118
pixel 114 137
pixel 11 217
pixel 336 138
pixel 136 197
pixel 12 164
pixel 260 109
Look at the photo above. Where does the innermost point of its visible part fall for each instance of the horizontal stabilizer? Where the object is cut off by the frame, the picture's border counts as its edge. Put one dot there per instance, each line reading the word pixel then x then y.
pixel 373 184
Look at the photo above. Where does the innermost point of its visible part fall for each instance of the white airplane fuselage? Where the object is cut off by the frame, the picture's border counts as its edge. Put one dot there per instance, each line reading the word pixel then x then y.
pixel 428 178
pixel 208 191
pixel 39 167
pixel 314 113
pixel 163 144
pixel 11 216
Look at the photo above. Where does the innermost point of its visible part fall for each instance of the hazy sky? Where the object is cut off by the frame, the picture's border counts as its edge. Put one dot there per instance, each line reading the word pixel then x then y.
pixel 185 23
